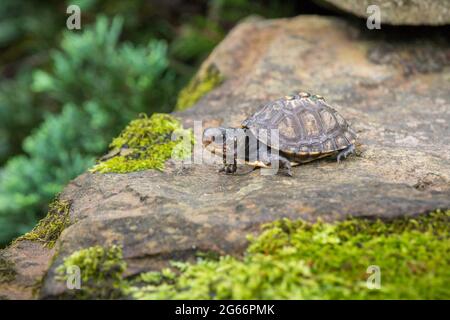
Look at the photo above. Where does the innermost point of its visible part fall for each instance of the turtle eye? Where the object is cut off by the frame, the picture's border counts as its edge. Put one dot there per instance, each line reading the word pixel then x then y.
pixel 210 135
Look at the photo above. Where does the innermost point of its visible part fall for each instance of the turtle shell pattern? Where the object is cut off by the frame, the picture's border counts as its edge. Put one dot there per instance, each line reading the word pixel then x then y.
pixel 307 125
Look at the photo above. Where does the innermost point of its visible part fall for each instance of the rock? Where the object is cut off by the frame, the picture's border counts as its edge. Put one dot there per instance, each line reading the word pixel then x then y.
pixel 398 12
pixel 394 93
pixel 27 262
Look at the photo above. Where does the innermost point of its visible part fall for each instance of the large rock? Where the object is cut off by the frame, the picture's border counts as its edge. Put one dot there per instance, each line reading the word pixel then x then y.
pixel 395 94
pixel 399 12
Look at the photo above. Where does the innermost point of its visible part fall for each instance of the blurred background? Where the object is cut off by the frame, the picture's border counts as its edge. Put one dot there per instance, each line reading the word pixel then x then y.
pixel 64 94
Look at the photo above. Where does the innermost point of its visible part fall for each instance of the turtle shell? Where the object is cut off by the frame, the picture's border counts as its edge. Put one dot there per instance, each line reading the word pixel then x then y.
pixel 306 125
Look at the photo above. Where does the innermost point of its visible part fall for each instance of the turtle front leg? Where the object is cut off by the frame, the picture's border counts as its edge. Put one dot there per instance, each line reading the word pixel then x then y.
pixel 346 152
pixel 229 168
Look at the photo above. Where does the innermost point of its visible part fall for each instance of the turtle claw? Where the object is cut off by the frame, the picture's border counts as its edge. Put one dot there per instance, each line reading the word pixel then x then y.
pixel 346 152
pixel 288 173
pixel 228 169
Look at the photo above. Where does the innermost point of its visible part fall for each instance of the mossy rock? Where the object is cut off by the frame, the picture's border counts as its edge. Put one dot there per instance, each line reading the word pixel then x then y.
pixel 101 271
pixel 300 260
pixel 292 260
pixel 402 167
pixel 202 83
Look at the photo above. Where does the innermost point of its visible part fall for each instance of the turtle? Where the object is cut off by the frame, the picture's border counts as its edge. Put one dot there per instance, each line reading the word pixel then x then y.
pixel 308 129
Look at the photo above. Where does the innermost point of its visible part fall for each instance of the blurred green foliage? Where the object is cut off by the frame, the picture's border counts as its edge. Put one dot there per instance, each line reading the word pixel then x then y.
pixel 114 82
pixel 101 85
pixel 65 94
pixel 18 114
pixel 27 28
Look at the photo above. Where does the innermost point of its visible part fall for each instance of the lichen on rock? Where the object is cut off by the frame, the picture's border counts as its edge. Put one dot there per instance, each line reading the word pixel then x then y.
pixel 146 143
pixel 7 272
pixel 201 84
pixel 100 268
pixel 301 260
pixel 50 227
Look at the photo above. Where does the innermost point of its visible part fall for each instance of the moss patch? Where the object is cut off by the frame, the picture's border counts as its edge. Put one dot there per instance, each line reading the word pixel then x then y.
pixel 49 228
pixel 292 260
pixel 101 271
pixel 7 272
pixel 299 260
pixel 200 85
pixel 146 143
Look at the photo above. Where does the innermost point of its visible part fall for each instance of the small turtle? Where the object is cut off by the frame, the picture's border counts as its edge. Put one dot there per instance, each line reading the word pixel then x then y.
pixel 308 129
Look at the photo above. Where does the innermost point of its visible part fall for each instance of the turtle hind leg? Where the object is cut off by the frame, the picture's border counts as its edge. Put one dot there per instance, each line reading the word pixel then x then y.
pixel 286 165
pixel 283 163
pixel 346 152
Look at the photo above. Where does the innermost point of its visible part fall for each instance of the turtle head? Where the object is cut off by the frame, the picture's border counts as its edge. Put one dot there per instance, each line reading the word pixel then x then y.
pixel 214 138
pixel 211 135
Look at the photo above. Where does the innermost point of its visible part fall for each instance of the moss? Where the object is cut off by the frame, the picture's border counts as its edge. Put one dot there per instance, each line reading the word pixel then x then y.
pixel 200 85
pixel 7 272
pixel 300 260
pixel 146 143
pixel 291 260
pixel 101 272
pixel 49 228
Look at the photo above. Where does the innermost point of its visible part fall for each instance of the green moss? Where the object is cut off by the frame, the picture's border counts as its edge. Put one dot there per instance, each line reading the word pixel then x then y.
pixel 300 260
pixel 200 85
pixel 101 271
pixel 49 228
pixel 7 272
pixel 146 143
pixel 292 260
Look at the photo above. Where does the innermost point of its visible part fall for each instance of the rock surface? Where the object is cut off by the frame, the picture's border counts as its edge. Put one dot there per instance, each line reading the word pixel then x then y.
pixel 399 12
pixel 29 262
pixel 394 93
